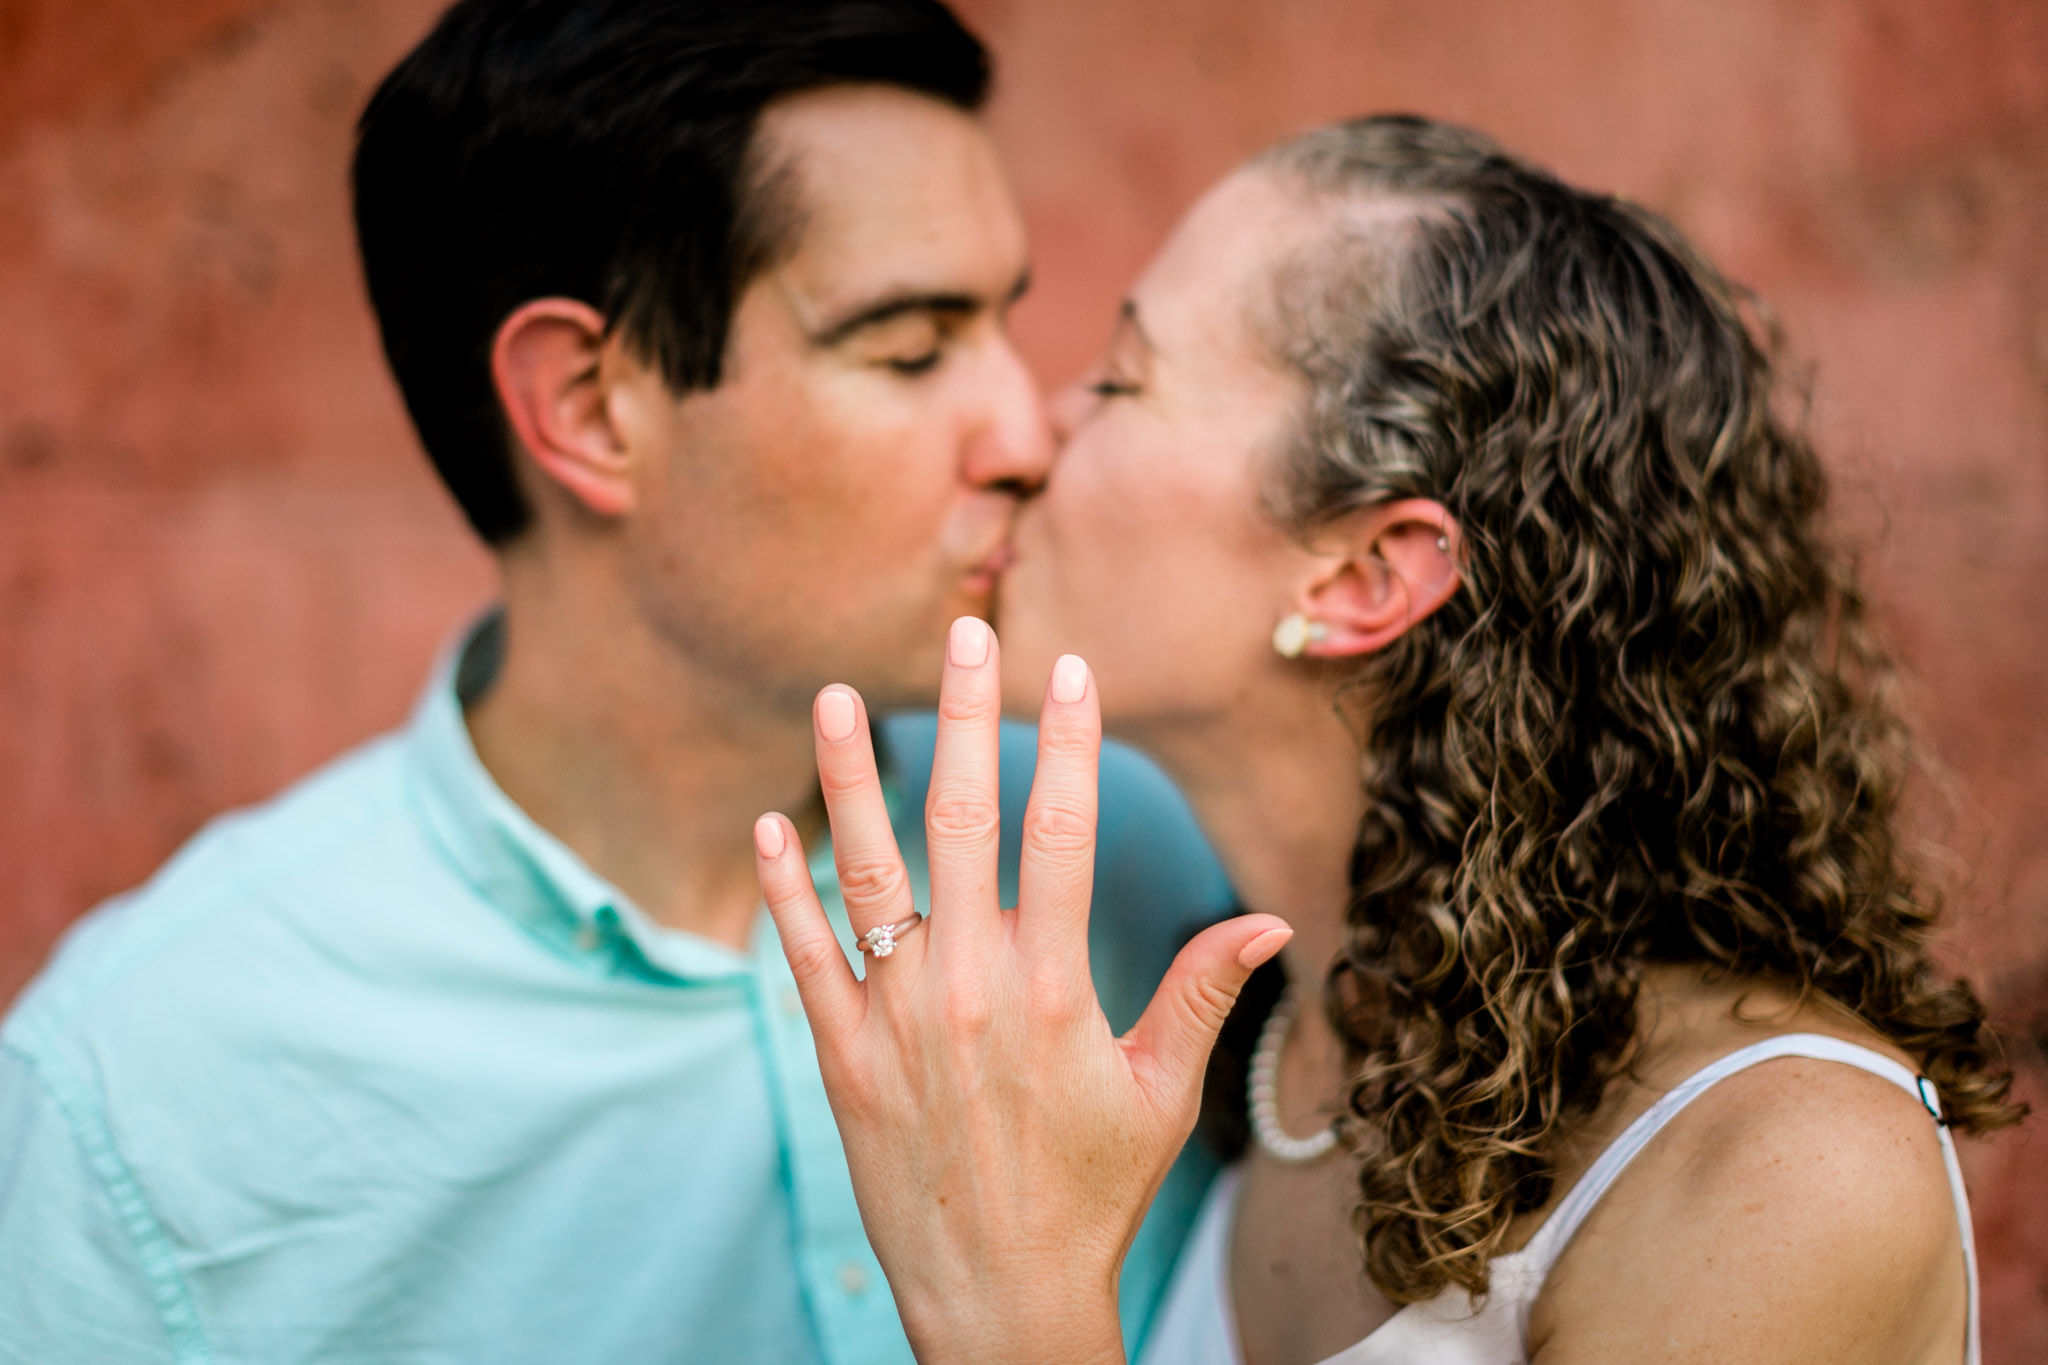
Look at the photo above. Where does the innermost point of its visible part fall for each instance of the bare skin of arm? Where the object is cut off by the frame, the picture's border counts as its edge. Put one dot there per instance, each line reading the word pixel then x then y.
pixel 1802 1213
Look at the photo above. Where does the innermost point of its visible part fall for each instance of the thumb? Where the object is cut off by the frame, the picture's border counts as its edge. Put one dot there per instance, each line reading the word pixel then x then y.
pixel 1169 1046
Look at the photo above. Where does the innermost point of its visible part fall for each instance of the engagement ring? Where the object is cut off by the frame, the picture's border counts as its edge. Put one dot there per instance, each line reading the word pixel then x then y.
pixel 881 940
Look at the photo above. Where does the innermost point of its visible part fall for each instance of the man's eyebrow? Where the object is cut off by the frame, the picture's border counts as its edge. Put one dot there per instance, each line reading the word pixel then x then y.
pixel 895 305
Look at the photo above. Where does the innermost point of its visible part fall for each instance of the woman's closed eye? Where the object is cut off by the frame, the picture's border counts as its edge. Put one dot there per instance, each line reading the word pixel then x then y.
pixel 1112 386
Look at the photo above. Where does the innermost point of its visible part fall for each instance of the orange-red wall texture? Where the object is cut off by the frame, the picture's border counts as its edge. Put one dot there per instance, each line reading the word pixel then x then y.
pixel 223 559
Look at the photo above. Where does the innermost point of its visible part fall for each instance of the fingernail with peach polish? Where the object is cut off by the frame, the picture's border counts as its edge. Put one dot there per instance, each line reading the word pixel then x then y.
pixel 1069 679
pixel 768 837
pixel 835 714
pixel 967 647
pixel 1261 949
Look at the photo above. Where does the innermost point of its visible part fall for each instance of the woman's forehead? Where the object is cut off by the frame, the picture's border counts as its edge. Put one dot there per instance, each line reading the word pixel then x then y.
pixel 1198 292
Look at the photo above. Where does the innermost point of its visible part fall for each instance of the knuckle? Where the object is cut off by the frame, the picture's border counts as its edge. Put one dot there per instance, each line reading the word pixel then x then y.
pixel 969 1013
pixel 863 1108
pixel 872 880
pixel 967 707
pixel 1066 737
pixel 1051 993
pixel 961 816
pixel 859 1092
pixel 908 1018
pixel 1056 826
pixel 1207 1003
pixel 839 780
pixel 779 888
pixel 812 959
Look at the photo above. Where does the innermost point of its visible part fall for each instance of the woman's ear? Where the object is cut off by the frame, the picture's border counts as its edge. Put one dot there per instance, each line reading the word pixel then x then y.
pixel 1391 566
pixel 545 363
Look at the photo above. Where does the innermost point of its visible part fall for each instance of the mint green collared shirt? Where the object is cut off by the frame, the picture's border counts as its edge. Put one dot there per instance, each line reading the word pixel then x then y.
pixel 379 1071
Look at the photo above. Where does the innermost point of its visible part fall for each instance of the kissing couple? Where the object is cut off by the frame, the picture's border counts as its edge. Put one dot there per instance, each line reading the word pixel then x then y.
pixel 1433 523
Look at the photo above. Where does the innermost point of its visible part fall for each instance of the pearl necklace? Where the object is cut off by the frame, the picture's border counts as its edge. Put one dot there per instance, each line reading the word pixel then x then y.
pixel 1261 1089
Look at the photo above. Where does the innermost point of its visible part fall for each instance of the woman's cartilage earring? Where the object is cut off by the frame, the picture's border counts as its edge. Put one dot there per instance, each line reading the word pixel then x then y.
pixel 1294 634
pixel 1443 545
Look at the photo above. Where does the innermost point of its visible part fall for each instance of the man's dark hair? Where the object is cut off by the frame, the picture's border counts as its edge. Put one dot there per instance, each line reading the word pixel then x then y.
pixel 599 150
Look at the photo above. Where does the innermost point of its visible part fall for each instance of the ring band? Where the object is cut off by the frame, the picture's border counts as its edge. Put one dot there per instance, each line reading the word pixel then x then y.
pixel 881 940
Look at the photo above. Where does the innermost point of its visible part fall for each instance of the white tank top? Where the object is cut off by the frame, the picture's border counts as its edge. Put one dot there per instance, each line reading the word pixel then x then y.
pixel 1195 1324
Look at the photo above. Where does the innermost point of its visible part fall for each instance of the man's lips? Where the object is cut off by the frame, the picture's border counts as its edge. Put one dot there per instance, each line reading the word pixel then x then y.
pixel 984 574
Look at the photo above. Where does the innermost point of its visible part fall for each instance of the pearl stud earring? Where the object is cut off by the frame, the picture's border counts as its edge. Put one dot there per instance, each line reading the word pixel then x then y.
pixel 1294 634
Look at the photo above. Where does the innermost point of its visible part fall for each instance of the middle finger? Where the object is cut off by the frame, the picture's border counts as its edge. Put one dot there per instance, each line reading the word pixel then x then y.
pixel 963 816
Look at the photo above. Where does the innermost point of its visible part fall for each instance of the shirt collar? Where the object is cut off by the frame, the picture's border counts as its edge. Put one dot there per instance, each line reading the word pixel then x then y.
pixel 526 872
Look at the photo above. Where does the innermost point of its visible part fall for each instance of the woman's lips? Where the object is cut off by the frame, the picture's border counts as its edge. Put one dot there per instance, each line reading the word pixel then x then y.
pixel 984 576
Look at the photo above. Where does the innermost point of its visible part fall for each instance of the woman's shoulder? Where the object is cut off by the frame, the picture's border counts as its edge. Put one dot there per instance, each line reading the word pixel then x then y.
pixel 1795 1204
pixel 1813 1139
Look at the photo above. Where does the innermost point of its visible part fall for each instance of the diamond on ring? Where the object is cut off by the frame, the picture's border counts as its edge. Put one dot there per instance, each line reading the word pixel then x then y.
pixel 881 940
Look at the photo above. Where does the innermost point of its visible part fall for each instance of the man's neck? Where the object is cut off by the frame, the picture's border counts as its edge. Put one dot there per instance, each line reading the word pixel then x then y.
pixel 650 770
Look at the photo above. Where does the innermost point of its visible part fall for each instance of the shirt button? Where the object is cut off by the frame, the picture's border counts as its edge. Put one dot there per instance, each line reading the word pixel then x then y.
pixel 792 1003
pixel 853 1279
pixel 587 938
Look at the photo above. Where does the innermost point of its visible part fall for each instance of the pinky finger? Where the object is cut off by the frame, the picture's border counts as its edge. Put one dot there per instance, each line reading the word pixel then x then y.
pixel 831 994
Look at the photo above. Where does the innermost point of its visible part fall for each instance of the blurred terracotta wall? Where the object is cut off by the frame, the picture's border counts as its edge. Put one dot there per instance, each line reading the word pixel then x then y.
pixel 222 558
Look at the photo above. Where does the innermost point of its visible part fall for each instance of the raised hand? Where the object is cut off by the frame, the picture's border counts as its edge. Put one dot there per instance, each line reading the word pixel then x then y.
pixel 1004 1143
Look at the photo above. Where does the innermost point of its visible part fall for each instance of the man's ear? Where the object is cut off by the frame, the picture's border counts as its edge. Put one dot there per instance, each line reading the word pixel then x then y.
pixel 1388 567
pixel 545 363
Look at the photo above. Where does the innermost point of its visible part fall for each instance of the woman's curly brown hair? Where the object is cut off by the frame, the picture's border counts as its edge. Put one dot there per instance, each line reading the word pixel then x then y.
pixel 1652 727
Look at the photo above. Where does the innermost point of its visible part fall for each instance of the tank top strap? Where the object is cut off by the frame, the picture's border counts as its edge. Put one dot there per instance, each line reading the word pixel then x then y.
pixel 1557 1231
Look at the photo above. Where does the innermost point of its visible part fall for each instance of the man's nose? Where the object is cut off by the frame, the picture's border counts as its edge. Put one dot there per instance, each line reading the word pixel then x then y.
pixel 1014 449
